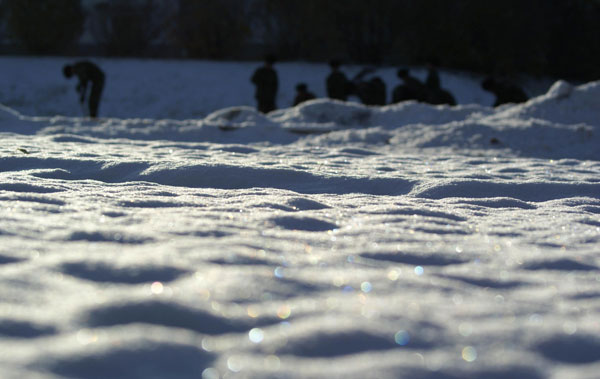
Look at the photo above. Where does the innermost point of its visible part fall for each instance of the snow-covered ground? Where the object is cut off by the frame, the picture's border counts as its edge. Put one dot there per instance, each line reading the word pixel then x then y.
pixel 185 235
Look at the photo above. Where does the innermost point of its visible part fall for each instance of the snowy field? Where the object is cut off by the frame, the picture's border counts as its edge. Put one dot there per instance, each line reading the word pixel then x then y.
pixel 185 235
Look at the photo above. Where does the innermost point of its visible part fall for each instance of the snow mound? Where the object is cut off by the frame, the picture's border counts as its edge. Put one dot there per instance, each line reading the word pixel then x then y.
pixel 236 118
pixel 562 104
pixel 563 123
pixel 560 89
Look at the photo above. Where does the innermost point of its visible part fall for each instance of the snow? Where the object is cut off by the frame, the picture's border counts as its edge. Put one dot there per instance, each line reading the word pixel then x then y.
pixel 185 235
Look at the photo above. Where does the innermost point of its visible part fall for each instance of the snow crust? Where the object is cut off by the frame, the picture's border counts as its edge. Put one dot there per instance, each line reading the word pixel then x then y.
pixel 327 240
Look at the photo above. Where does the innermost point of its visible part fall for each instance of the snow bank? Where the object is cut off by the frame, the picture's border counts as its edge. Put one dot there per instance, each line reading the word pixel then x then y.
pixel 560 124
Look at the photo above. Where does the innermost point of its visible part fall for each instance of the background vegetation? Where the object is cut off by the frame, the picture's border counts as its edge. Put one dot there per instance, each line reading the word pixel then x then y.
pixel 43 27
pixel 540 37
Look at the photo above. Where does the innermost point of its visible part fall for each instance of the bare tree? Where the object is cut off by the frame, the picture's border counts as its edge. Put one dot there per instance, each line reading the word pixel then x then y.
pixel 2 21
pixel 210 28
pixel 43 26
pixel 305 29
pixel 127 27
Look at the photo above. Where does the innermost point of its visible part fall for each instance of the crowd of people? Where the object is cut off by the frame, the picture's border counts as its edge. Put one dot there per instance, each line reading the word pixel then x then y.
pixel 370 91
pixel 373 91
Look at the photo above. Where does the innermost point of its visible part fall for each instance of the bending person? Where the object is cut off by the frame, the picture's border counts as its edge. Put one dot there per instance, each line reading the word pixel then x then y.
pixel 87 72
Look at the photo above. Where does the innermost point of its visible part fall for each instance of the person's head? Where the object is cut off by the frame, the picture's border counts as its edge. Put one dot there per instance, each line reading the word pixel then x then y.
pixel 301 87
pixel 67 71
pixel 335 64
pixel 402 73
pixel 433 62
pixel 270 59
pixel 488 84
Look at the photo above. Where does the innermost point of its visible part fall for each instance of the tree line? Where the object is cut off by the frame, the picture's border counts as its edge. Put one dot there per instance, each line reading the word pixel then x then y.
pixel 540 37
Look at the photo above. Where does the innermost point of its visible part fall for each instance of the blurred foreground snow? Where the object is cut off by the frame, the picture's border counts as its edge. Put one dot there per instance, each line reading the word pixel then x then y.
pixel 328 240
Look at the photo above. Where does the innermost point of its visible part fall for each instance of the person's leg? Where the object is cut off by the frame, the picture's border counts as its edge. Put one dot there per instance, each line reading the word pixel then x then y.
pixel 95 98
pixel 268 105
pixel 263 106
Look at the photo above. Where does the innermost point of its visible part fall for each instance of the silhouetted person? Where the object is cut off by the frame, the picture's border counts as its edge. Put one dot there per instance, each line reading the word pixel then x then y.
pixel 505 91
pixel 412 89
pixel 338 85
pixel 435 93
pixel 372 92
pixel 360 87
pixel 303 94
pixel 440 96
pixel 266 83
pixel 87 72
pixel 433 78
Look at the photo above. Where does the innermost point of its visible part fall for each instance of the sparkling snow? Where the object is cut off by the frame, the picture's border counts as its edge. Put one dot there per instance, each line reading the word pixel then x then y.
pixel 185 235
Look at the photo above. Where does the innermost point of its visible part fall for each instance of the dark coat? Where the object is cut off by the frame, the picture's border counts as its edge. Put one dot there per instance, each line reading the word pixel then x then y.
pixel 440 96
pixel 509 94
pixel 412 89
pixel 433 79
pixel 338 86
pixel 266 83
pixel 302 96
pixel 505 91
pixel 372 92
pixel 87 72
